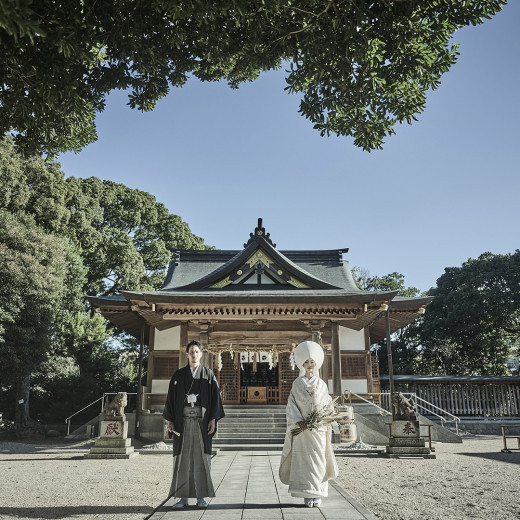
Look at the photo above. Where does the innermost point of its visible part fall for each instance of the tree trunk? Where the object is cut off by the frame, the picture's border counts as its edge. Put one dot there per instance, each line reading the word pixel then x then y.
pixel 22 419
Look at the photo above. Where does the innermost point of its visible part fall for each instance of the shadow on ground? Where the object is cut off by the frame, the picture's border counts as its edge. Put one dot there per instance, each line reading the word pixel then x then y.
pixel 46 459
pixel 44 449
pixel 69 512
pixel 512 458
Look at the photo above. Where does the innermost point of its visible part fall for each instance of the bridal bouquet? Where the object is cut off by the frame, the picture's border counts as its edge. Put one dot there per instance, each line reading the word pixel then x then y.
pixel 322 416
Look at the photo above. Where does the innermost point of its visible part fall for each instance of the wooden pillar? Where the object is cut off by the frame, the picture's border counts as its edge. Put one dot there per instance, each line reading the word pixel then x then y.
pixel 336 361
pixel 137 428
pixel 151 348
pixel 324 371
pixel 204 339
pixel 316 337
pixel 389 349
pixel 325 368
pixel 183 360
pixel 370 381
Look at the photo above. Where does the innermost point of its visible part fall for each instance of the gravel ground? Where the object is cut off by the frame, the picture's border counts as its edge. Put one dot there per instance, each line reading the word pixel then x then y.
pixel 473 480
pixel 46 480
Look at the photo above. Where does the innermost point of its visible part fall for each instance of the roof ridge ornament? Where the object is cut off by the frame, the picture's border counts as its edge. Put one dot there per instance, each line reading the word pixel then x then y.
pixel 259 232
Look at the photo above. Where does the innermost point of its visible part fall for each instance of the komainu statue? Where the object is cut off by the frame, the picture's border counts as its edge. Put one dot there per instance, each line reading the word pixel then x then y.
pixel 403 406
pixel 116 407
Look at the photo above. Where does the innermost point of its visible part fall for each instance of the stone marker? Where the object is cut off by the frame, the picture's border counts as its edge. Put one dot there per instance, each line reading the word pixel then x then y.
pixel 113 442
pixel 405 434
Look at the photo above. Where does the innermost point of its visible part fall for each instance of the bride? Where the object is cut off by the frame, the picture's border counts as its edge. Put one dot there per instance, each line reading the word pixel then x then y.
pixel 307 458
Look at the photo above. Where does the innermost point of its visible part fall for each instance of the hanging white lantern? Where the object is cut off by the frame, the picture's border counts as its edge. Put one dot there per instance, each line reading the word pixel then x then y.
pixel 291 360
pixel 220 360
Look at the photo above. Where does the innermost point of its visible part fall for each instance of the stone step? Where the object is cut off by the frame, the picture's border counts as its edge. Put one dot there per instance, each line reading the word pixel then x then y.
pixel 251 420
pixel 252 415
pixel 112 450
pixel 407 450
pixel 256 428
pixel 251 435
pixel 245 427
pixel 255 407
pixel 261 413
pixel 110 455
pixel 245 420
pixel 250 447
pixel 247 440
pixel 230 418
pixel 251 427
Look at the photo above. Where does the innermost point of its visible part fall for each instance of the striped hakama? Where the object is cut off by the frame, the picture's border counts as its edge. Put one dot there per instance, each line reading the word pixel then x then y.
pixel 191 467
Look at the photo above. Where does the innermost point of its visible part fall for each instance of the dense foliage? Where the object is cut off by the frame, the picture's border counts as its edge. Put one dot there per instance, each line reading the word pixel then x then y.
pixel 361 66
pixel 34 269
pixel 125 237
pixel 61 239
pixel 405 345
pixel 472 325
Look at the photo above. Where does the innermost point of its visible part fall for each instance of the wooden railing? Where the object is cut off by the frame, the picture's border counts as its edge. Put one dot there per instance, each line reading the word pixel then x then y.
pixel 273 395
pixel 466 396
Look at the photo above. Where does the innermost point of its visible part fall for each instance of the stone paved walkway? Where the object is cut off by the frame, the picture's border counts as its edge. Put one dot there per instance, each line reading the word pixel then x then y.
pixel 248 488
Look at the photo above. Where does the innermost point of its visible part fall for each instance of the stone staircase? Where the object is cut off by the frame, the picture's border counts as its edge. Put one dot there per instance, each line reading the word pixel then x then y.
pixel 251 427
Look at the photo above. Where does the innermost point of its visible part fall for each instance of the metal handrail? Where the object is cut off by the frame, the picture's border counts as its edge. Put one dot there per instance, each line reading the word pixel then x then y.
pixel 349 395
pixel 67 420
pixel 102 399
pixel 454 419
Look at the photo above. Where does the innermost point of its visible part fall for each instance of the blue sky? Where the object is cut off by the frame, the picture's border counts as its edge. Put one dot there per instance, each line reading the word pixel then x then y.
pixel 441 191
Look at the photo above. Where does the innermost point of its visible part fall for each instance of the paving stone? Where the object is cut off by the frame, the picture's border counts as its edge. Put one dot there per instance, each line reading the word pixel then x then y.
pixel 230 506
pixel 261 513
pixel 248 488
pixel 218 515
pixel 186 515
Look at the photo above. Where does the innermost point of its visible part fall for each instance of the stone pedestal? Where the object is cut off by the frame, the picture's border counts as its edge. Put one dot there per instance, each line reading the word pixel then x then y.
pixel 406 441
pixel 113 442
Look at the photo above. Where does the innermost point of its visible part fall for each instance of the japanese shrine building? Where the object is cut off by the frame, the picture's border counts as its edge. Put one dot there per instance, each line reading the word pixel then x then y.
pixel 250 307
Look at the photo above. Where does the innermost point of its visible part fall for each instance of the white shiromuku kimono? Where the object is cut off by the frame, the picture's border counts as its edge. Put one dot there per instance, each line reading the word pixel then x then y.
pixel 308 458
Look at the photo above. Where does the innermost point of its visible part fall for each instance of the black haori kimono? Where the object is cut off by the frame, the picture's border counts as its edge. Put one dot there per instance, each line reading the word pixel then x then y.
pixel 192 449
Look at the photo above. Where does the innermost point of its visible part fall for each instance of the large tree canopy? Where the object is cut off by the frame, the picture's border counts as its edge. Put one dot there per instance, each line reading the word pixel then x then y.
pixel 471 327
pixel 59 240
pixel 124 236
pixel 473 323
pixel 361 66
pixel 35 271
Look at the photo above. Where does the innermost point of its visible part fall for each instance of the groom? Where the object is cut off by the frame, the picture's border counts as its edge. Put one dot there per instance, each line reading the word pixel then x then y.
pixel 192 409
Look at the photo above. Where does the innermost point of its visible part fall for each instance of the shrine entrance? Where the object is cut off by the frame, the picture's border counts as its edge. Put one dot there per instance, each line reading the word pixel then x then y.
pixel 244 380
pixel 256 378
